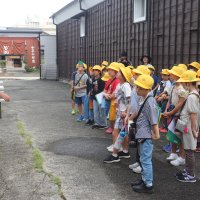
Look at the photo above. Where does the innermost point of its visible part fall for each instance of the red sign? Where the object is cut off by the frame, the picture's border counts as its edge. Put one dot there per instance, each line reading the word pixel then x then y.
pixel 28 47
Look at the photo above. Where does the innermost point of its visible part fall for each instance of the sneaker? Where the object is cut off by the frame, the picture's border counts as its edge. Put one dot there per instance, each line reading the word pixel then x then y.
pixel 167 148
pixel 109 130
pixel 138 182
pixel 89 122
pixel 111 159
pixel 135 165
pixel 179 161
pixel 163 130
pixel 142 188
pixel 186 178
pixel 95 126
pixel 121 154
pixel 80 119
pixel 73 112
pixel 181 173
pixel 110 147
pixel 172 156
pixel 137 170
pixel 101 127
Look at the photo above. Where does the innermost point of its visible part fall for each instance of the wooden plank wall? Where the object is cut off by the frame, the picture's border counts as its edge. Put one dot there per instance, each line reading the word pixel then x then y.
pixel 171 34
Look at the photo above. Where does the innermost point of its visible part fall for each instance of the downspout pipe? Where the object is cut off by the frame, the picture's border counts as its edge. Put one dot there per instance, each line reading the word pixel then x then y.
pixel 85 13
pixel 53 18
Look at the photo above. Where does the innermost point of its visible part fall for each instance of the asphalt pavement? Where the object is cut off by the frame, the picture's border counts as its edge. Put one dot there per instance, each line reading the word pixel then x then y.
pixel 75 152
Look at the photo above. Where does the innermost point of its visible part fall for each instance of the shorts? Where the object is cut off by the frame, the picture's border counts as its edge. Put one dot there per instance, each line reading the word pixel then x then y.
pixel 112 113
pixel 118 122
pixel 80 100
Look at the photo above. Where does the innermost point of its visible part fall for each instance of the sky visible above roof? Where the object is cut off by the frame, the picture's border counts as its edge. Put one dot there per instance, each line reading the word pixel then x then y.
pixel 17 12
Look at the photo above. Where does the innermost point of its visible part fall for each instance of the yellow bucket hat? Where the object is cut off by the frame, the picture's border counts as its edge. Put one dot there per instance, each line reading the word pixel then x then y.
pixel 198 73
pixel 195 65
pixel 106 77
pixel 114 66
pixel 144 81
pixel 121 65
pixel 105 63
pixel 90 69
pixel 142 69
pixel 126 73
pixel 188 77
pixel 131 67
pixel 177 71
pixel 151 67
pixel 165 72
pixel 183 66
pixel 97 67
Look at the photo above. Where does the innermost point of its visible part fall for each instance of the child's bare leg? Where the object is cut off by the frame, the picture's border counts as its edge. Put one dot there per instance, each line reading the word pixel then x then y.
pixel 182 151
pixel 73 105
pixel 126 143
pixel 80 109
pixel 115 134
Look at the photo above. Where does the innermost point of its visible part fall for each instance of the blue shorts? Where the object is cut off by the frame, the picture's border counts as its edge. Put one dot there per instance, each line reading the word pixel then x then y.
pixel 80 100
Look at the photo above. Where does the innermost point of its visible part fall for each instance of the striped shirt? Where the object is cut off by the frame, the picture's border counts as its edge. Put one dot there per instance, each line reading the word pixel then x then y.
pixel 147 118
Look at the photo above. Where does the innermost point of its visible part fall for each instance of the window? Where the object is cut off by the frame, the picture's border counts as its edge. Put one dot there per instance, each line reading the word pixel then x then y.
pixel 82 27
pixel 139 10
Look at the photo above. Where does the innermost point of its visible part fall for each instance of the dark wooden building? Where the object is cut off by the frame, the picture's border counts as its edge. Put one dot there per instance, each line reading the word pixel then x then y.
pixel 97 30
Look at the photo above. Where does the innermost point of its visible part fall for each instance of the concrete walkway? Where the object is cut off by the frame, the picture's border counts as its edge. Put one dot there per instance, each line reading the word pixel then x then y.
pixel 72 151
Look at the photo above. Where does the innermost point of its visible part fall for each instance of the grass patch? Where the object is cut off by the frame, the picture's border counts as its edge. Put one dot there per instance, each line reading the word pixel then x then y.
pixel 38 158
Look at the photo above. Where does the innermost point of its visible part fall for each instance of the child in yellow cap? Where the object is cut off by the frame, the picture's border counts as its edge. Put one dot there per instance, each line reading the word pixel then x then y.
pixel 98 85
pixel 189 121
pixel 147 130
pixel 123 93
pixel 176 100
pixel 109 95
pixel 198 140
pixel 162 95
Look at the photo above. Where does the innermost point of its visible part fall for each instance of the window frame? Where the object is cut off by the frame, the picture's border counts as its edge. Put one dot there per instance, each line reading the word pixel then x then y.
pixel 139 19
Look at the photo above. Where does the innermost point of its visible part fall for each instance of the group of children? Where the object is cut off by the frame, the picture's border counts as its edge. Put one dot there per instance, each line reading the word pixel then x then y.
pixel 135 106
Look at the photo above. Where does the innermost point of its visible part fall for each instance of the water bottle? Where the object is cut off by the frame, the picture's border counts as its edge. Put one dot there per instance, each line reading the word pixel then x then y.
pixel 103 103
pixel 120 140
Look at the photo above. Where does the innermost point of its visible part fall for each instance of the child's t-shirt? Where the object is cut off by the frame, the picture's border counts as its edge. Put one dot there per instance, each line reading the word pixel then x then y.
pixel 134 106
pixel 111 85
pixel 177 92
pixel 123 93
pixel 147 118
pixel 97 87
pixel 192 105
pixel 83 81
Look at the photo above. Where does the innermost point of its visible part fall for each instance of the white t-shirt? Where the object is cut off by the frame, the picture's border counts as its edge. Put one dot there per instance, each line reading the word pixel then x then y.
pixel 123 92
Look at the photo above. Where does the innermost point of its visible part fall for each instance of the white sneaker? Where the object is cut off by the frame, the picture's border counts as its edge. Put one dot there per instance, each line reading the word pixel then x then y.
pixel 173 156
pixel 137 170
pixel 179 161
pixel 110 149
pixel 135 165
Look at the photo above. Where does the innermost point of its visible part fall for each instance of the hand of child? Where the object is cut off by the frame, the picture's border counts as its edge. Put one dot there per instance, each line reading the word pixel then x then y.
pixel 76 88
pixel 166 114
pixel 123 114
pixel 5 96
pixel 155 136
pixel 195 134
